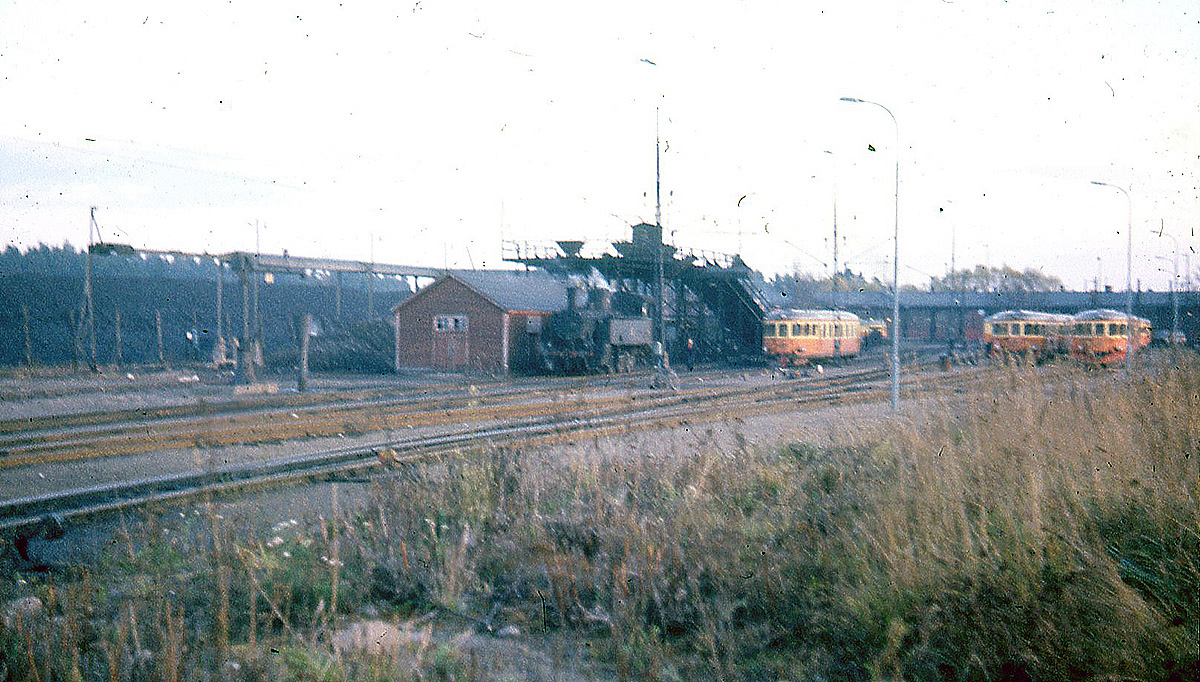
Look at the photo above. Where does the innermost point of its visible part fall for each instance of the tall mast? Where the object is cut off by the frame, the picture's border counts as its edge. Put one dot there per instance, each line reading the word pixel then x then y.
pixel 657 177
pixel 91 308
pixel 660 311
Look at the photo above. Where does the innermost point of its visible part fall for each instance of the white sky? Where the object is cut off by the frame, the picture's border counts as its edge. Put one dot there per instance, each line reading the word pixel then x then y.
pixel 439 127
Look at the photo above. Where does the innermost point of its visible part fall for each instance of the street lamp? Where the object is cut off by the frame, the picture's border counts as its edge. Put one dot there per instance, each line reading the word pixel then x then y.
pixel 1174 286
pixel 895 261
pixel 1128 275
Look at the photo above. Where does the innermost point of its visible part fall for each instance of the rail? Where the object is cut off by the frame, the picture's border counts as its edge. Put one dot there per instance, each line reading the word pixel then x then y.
pixel 569 424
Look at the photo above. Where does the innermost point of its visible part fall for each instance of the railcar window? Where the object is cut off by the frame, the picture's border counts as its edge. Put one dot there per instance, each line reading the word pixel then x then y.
pixel 797 329
pixel 1000 329
pixel 768 330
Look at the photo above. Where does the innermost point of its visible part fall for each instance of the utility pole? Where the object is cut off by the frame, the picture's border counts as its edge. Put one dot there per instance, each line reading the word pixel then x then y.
pixel 219 347
pixel 28 344
pixel 660 313
pixel 371 280
pixel 119 359
pixel 256 343
pixel 91 312
pixel 337 293
pixel 245 356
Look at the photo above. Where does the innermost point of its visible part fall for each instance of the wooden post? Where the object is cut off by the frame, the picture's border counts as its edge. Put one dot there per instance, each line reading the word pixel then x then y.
pixel 245 358
pixel 162 358
pixel 28 343
pixel 370 295
pixel 76 338
pixel 120 359
pixel 87 290
pixel 338 295
pixel 220 303
pixel 302 375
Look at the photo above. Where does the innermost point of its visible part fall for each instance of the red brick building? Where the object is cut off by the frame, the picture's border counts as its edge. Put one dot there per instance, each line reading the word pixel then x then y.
pixel 483 321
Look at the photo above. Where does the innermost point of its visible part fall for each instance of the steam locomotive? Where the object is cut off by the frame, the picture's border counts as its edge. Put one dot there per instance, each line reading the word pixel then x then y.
pixel 608 332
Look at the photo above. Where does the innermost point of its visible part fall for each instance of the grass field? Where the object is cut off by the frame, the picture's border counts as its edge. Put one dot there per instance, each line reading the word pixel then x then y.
pixel 1024 532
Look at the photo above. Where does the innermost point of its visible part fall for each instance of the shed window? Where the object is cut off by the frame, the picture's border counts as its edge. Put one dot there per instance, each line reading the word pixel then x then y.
pixel 446 323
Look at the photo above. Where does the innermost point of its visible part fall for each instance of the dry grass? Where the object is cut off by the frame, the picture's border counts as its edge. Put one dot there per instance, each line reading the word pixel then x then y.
pixel 1027 532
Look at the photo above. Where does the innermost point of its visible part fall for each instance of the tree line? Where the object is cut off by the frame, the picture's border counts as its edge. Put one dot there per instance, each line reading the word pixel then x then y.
pixel 979 278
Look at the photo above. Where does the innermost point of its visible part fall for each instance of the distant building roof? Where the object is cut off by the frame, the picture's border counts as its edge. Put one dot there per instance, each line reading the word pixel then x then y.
pixel 513 290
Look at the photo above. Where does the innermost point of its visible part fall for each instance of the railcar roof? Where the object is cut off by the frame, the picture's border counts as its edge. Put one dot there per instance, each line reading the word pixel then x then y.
pixel 1106 314
pixel 823 315
pixel 1027 315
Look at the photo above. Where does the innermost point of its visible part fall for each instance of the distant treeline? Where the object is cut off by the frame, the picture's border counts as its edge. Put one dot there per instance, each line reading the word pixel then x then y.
pixel 979 278
pixel 42 307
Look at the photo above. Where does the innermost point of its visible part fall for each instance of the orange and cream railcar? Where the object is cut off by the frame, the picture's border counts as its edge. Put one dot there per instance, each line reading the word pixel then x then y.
pixel 796 337
pixel 872 331
pixel 1027 333
pixel 1101 337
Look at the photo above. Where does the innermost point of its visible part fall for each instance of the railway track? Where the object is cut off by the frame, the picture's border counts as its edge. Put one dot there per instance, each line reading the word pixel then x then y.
pixel 589 419
pixel 273 419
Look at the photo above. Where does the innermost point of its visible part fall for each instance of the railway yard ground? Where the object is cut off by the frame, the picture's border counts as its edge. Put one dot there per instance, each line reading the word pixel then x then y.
pixel 1010 522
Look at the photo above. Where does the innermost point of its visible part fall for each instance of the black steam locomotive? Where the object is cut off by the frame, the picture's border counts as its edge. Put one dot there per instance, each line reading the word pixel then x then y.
pixel 610 332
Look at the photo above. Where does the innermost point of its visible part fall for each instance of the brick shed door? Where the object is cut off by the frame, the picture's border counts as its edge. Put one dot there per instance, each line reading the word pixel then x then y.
pixel 450 348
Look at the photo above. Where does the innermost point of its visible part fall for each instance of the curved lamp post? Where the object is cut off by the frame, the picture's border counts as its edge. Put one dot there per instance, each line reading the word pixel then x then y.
pixel 895 262
pixel 1128 275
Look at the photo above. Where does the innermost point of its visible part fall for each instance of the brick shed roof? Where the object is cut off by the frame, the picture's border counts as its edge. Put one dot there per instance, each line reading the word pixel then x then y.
pixel 515 290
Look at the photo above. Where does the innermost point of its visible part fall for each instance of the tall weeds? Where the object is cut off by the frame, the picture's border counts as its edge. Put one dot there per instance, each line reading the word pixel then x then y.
pixel 1030 530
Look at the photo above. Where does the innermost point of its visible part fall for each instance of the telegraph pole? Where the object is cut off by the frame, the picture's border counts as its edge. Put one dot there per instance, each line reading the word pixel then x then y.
pixel 662 337
pixel 87 291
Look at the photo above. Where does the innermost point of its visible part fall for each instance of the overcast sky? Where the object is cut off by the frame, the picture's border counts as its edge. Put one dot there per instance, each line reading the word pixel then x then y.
pixel 440 128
